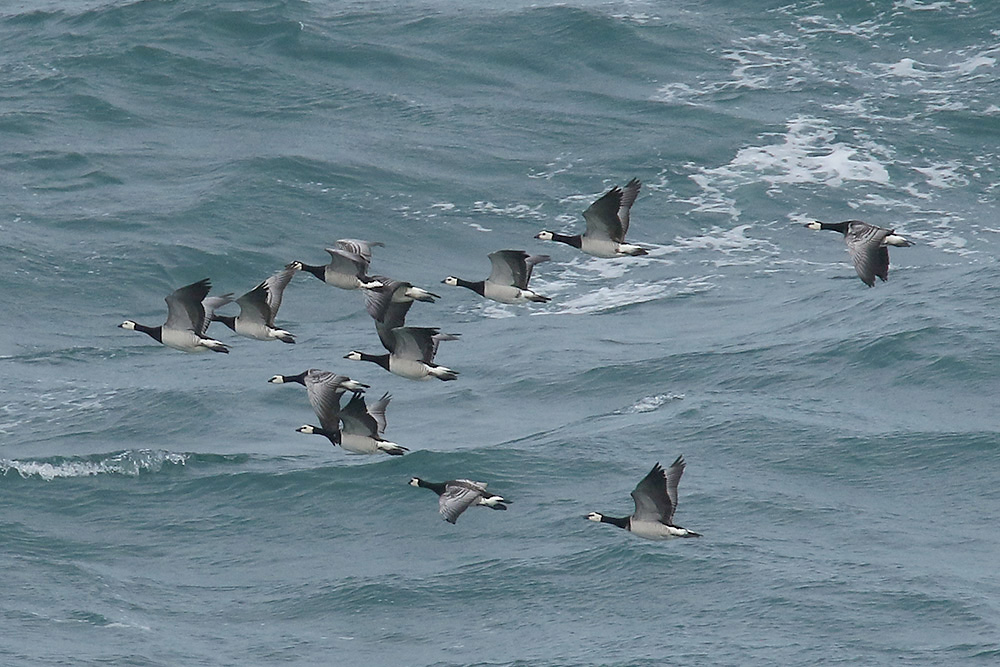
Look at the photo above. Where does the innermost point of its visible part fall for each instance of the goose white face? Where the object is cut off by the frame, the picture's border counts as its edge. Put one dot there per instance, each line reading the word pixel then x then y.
pixel 594 516
pixel 353 355
pixel 277 379
pixel 414 481
pixel 545 236
pixel 306 428
pixel 295 266
pixel 814 225
pixel 451 280
pixel 127 324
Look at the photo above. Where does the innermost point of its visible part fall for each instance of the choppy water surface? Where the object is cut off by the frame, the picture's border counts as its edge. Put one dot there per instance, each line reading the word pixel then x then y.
pixel 160 509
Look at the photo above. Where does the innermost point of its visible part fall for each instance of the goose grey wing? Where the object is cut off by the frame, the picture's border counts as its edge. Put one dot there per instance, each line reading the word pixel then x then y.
pixel 253 306
pixel 869 256
pixel 437 338
pixel 184 309
pixel 416 343
pixel 377 412
pixel 673 478
pixel 651 500
pixel 324 390
pixel 343 261
pixel 211 304
pixel 380 303
pixel 529 265
pixel 356 419
pixel 276 285
pixel 509 268
pixel 458 496
pixel 629 193
pixel 602 217
pixel 359 247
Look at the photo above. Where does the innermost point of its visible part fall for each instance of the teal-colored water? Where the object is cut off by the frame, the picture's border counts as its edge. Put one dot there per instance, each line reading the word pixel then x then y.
pixel 158 508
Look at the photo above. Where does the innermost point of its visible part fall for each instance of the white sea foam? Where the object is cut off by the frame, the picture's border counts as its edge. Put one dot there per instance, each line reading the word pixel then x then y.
pixel 629 293
pixel 560 165
pixel 650 403
pixel 944 175
pixel 917 5
pixel 906 68
pixel 130 463
pixel 520 211
pixel 727 241
pixel 809 152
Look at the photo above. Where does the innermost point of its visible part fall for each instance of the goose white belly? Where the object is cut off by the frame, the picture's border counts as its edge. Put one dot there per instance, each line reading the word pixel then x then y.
pixel 182 339
pixel 503 293
pixel 599 247
pixel 412 369
pixel 341 280
pixel 252 330
pixel 359 444
pixel 654 530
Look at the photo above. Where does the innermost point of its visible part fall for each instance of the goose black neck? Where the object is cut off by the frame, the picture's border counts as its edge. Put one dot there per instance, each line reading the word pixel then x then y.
pixel 300 378
pixel 332 436
pixel 575 241
pixel 318 271
pixel 436 487
pixel 156 333
pixel 836 226
pixel 380 359
pixel 621 522
pixel 476 286
pixel 228 320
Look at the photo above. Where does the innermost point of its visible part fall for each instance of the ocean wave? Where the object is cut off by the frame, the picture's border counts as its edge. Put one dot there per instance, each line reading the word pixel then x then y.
pixel 130 463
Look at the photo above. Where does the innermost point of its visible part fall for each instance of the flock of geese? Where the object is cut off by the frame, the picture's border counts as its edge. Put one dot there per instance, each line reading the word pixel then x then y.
pixel 359 426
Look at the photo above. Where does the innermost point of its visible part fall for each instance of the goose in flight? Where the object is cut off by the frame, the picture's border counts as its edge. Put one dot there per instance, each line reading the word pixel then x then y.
pixel 348 265
pixel 258 307
pixel 411 353
pixel 607 223
pixel 324 390
pixel 868 246
pixel 186 320
pixel 508 281
pixel 363 426
pixel 655 502
pixel 457 495
pixel 389 304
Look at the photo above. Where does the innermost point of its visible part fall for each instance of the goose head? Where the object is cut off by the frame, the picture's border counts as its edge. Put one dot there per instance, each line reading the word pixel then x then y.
pixel 544 235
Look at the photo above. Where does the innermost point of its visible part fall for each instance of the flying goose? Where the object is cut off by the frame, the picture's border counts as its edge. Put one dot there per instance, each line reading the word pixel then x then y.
pixel 508 280
pixel 324 390
pixel 411 353
pixel 348 265
pixel 655 501
pixel 389 303
pixel 363 426
pixel 868 246
pixel 457 495
pixel 607 223
pixel 258 308
pixel 186 322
